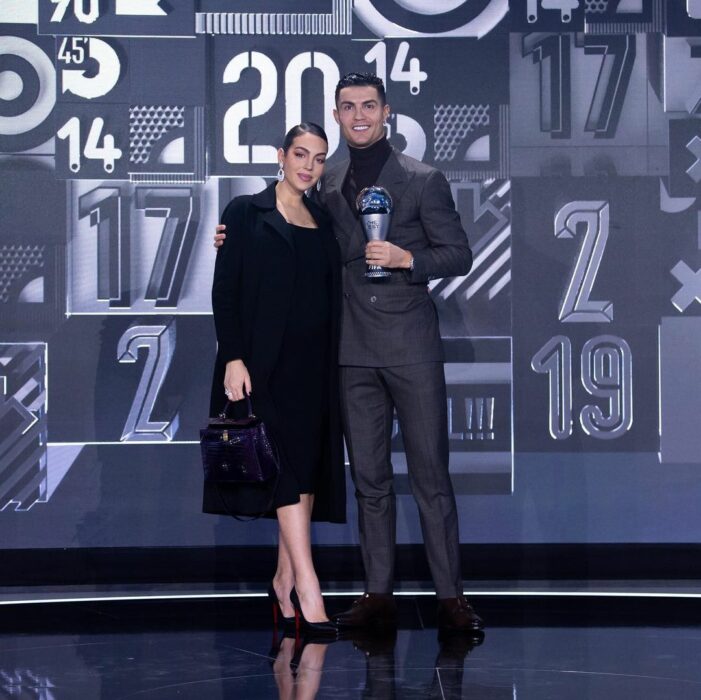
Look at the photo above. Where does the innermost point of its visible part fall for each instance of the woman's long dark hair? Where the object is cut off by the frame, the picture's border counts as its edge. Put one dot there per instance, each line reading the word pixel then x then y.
pixel 303 128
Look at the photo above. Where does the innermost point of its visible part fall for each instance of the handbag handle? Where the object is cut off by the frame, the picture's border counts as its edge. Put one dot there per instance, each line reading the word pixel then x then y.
pixel 229 403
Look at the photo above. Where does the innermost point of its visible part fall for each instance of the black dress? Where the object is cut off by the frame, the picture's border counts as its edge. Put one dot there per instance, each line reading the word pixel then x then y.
pixel 276 298
pixel 299 383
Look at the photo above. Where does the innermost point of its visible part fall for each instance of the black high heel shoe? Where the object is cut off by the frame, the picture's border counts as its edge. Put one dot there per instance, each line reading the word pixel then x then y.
pixel 289 624
pixel 327 628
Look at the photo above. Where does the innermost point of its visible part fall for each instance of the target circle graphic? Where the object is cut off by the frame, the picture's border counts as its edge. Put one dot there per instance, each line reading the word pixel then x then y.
pixel 421 18
pixel 27 94
pixel 428 7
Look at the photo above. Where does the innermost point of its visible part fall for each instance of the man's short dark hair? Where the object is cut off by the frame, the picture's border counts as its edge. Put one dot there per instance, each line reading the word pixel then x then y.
pixel 360 80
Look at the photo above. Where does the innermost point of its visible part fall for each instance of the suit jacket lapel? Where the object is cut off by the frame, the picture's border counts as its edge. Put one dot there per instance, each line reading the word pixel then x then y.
pixel 394 178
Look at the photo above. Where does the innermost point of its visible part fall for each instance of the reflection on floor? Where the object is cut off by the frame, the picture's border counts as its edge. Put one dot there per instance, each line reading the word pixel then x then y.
pixel 226 649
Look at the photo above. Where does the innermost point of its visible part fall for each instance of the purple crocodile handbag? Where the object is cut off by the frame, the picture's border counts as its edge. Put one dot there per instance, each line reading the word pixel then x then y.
pixel 238 451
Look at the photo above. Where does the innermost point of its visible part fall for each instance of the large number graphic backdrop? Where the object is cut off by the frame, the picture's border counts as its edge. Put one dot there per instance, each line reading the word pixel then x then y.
pixel 570 132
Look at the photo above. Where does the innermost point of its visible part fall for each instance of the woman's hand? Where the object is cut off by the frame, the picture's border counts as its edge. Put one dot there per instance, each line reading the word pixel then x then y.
pixel 236 379
pixel 219 235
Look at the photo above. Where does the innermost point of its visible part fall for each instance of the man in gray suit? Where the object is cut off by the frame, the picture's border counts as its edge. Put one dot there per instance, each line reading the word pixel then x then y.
pixel 391 354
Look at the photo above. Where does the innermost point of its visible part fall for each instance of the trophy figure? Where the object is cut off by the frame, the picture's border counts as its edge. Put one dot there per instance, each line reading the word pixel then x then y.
pixel 375 207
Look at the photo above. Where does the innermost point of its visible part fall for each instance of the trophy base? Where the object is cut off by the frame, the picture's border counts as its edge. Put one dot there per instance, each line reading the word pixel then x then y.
pixel 377 272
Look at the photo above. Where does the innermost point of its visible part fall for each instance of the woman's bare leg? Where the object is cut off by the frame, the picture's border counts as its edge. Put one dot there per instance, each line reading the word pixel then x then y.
pixel 284 579
pixel 294 523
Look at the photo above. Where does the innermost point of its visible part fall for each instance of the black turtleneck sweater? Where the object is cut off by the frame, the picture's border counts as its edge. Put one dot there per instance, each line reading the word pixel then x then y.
pixel 365 167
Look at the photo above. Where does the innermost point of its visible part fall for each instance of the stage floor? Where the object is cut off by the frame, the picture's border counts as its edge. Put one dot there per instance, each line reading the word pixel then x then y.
pixel 534 647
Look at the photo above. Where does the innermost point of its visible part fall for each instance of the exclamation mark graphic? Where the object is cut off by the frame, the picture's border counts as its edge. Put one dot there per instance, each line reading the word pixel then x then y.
pixel 479 411
pixel 469 413
pixel 490 417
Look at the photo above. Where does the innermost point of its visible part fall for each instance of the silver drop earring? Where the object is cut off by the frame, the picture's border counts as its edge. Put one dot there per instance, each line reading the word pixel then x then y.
pixel 280 174
pixel 318 185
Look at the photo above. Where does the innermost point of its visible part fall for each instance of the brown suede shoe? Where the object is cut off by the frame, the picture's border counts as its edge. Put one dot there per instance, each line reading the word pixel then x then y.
pixel 457 615
pixel 370 610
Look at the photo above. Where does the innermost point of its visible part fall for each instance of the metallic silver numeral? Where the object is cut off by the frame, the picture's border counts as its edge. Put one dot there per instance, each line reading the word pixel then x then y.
pixel 607 372
pixel 159 342
pixel 104 207
pixel 181 210
pixel 576 305
pixel 618 57
pixel 552 53
pixel 555 360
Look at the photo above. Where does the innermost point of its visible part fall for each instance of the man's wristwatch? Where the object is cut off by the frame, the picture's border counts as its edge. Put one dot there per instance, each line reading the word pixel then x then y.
pixel 411 264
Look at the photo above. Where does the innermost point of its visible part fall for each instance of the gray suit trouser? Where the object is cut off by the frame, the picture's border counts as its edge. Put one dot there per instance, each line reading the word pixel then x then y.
pixel 369 396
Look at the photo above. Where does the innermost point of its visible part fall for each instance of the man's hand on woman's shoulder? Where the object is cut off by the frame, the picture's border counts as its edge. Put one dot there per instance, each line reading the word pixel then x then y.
pixel 219 235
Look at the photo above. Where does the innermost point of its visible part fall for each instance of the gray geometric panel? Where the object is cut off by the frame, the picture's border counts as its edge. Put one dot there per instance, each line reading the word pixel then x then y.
pixel 147 124
pixel 479 303
pixel 338 21
pixel 23 434
pixel 452 123
pixel 479 380
pixel 16 260
pixel 594 6
pixel 680 390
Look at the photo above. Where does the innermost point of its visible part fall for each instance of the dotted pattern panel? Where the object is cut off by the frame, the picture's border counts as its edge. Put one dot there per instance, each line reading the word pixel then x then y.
pixel 452 123
pixel 147 124
pixel 15 261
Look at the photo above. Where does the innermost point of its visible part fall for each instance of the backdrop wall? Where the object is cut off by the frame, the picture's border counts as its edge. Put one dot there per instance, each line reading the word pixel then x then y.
pixel 571 137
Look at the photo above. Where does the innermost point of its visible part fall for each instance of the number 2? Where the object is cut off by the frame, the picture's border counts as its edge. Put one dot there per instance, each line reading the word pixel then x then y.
pixel 159 343
pixel 234 150
pixel 577 305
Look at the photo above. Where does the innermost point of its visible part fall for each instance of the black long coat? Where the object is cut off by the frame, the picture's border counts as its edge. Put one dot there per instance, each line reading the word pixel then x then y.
pixel 254 279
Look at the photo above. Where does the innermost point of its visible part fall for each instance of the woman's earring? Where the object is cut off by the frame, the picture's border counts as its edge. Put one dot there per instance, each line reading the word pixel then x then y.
pixel 318 185
pixel 280 174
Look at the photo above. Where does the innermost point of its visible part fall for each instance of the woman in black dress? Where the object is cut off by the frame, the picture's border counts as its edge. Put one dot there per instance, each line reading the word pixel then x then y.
pixel 276 303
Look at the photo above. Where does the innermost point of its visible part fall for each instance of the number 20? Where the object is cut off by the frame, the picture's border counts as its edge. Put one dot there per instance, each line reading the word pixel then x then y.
pixel 234 150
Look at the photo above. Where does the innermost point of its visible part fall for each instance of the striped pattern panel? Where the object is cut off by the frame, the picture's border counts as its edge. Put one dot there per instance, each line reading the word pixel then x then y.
pixel 23 434
pixel 491 269
pixel 338 21
pixel 657 23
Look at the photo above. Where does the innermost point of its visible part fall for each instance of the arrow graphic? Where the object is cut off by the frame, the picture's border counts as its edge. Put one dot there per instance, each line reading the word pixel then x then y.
pixel 140 7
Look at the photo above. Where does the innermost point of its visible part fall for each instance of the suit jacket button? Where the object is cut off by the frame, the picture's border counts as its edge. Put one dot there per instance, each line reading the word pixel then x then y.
pixel 373 299
pixel 346 295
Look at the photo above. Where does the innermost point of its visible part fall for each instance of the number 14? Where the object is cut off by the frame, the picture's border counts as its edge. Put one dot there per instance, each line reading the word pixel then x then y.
pixel 414 76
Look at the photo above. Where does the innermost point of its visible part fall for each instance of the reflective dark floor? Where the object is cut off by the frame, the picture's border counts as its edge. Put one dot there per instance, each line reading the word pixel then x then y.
pixel 536 649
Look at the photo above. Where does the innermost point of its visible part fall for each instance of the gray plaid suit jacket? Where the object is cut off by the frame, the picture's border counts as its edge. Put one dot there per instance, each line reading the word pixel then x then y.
pixel 394 322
